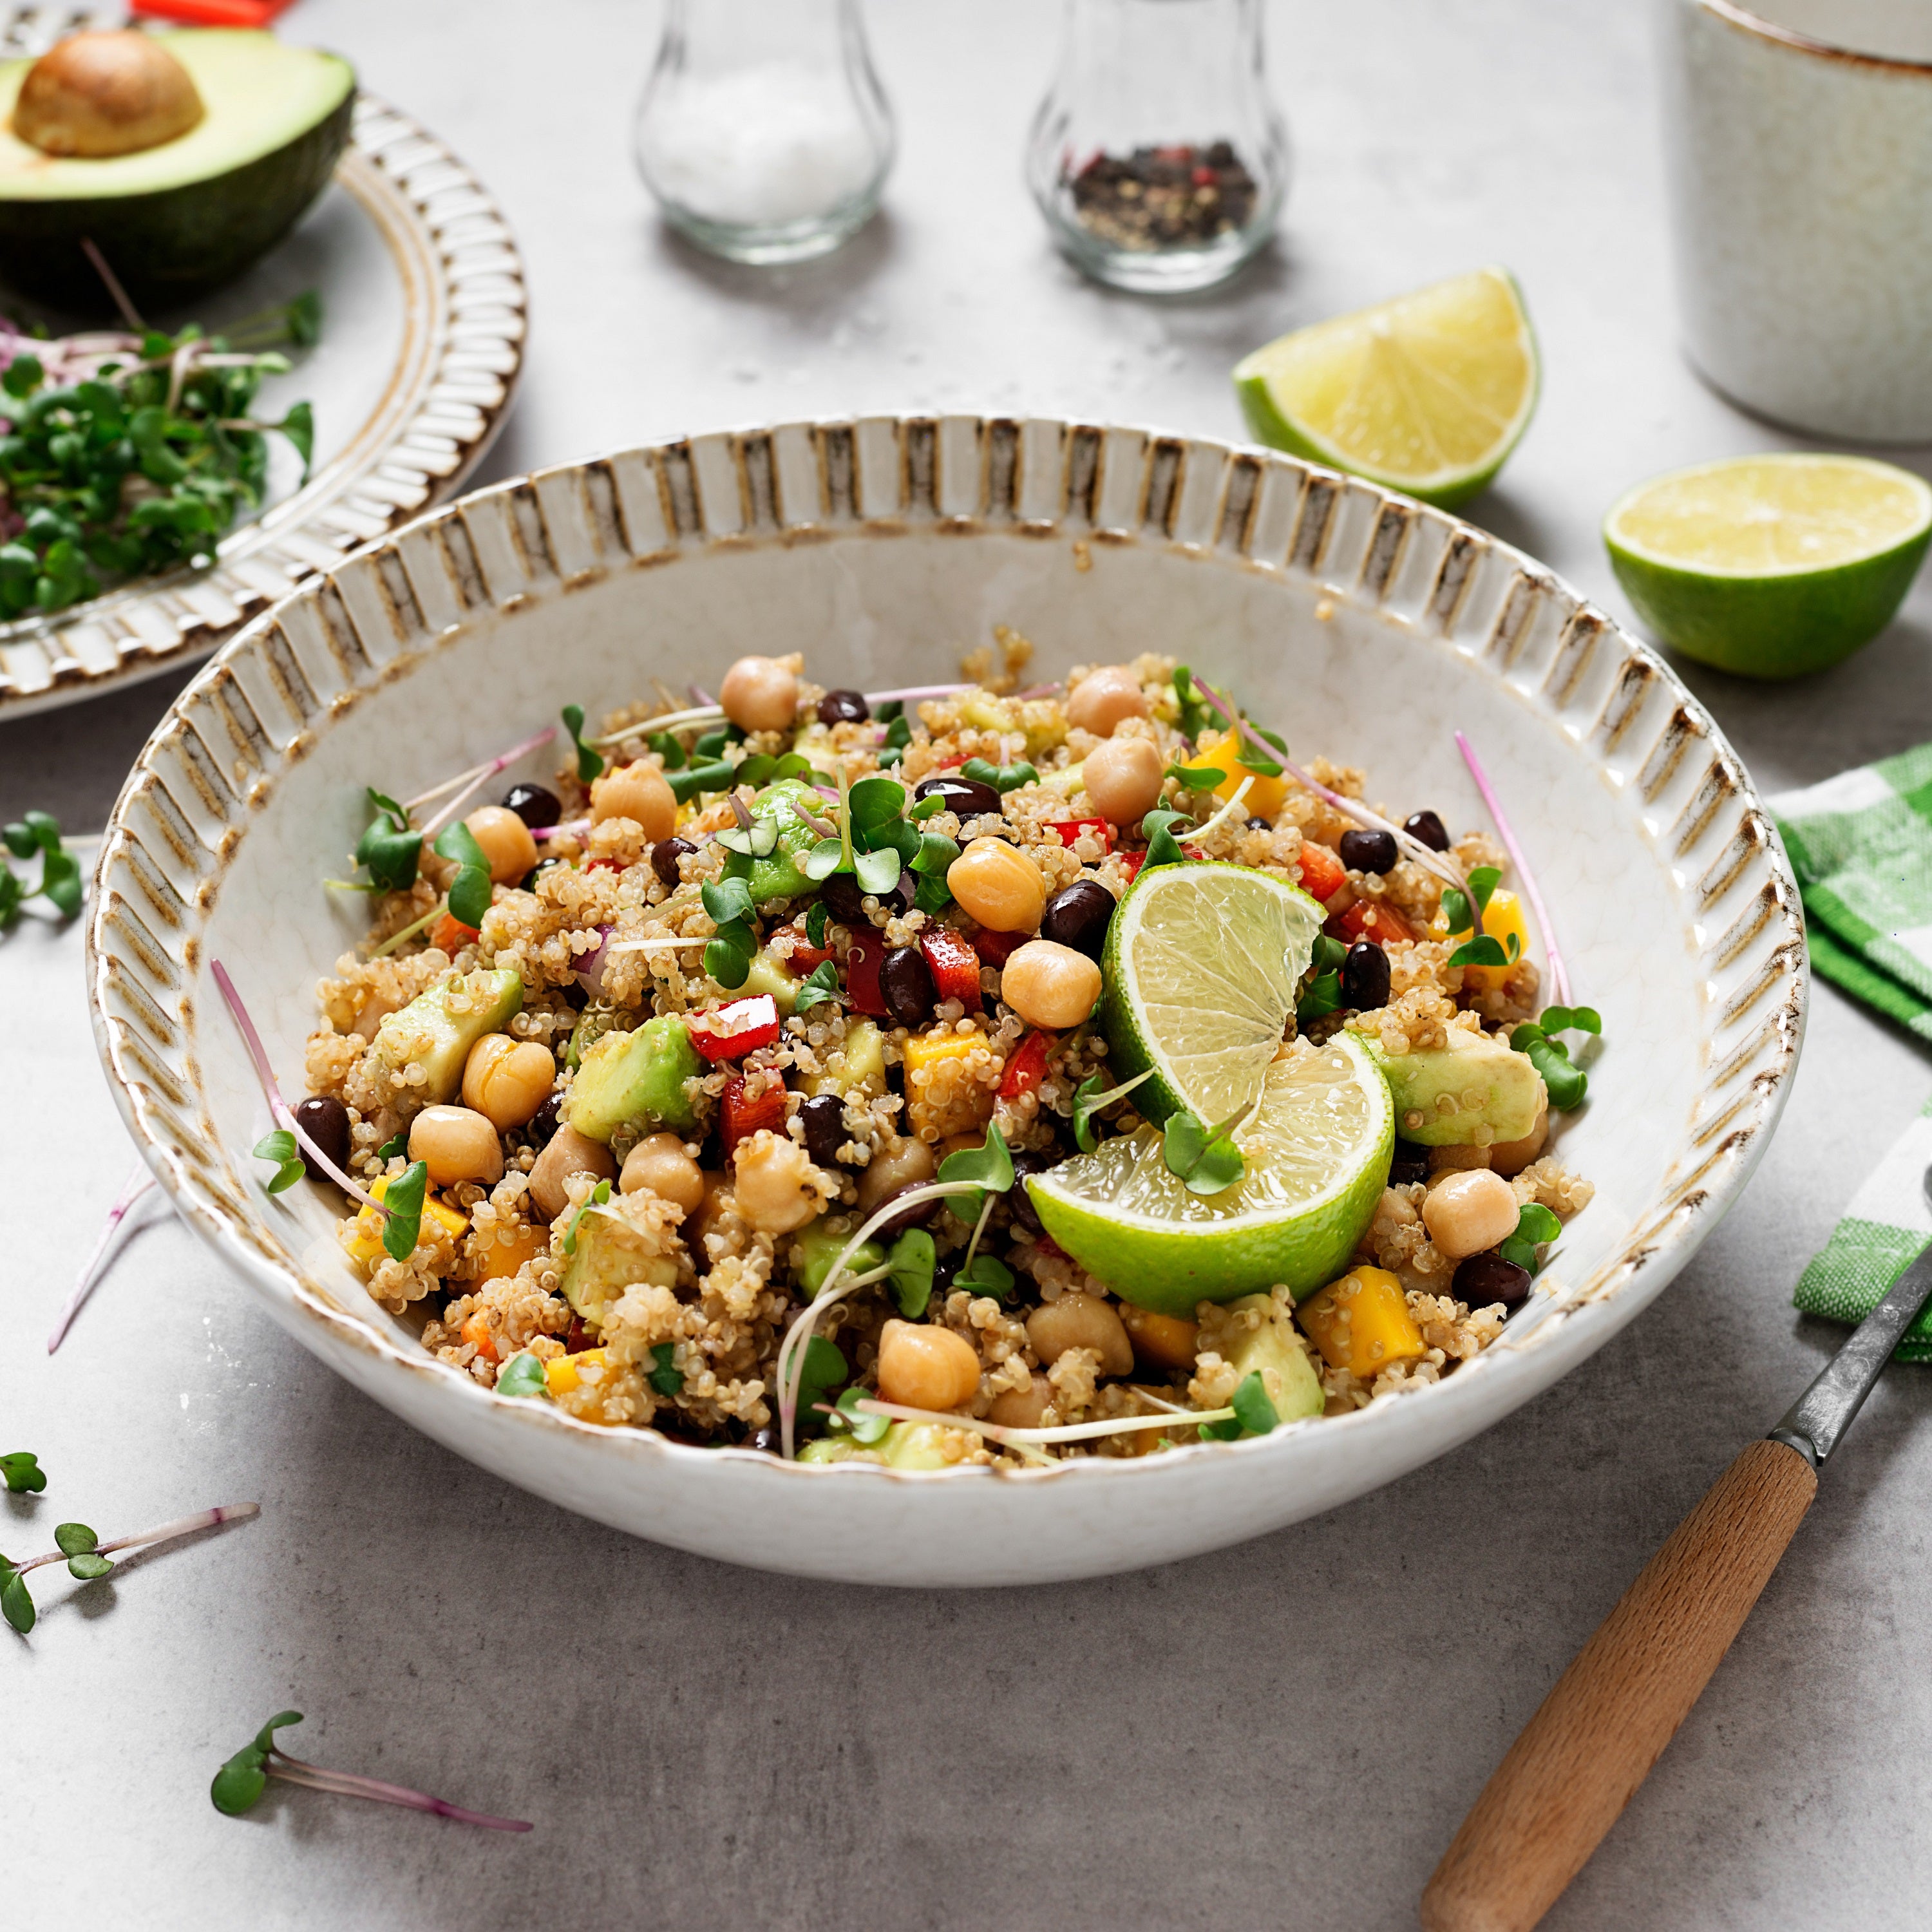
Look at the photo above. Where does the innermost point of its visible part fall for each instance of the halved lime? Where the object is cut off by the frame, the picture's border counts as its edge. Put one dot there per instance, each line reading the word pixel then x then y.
pixel 1318 1158
pixel 1427 393
pixel 1770 566
pixel 1200 970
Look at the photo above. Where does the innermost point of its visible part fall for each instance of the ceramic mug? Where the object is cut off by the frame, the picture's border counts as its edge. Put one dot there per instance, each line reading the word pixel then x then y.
pixel 1798 140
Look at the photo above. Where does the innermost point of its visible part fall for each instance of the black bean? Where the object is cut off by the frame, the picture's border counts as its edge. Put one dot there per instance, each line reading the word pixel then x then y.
pixel 325 1121
pixel 1365 977
pixel 1369 851
pixel 846 897
pixel 1260 825
pixel 905 984
pixel 966 797
pixel 528 883
pixel 1427 828
pixel 576 996
pixel 1078 916
pixel 541 1126
pixel 1019 1202
pixel 916 1216
pixel 843 707
pixel 534 805
pixel 1410 1167
pixel 769 1439
pixel 1483 1278
pixel 665 855
pixel 824 1117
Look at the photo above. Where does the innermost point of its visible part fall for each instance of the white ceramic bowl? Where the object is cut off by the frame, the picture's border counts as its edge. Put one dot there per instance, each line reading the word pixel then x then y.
pixel 1363 625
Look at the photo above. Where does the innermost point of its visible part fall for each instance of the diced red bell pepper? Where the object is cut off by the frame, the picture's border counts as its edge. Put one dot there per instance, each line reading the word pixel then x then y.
pixel 862 992
pixel 1368 919
pixel 740 1118
pixel 1071 829
pixel 1133 862
pixel 605 866
pixel 955 966
pixel 805 957
pixel 1028 1067
pixel 995 949
pixel 730 1033
pixel 451 934
pixel 1322 876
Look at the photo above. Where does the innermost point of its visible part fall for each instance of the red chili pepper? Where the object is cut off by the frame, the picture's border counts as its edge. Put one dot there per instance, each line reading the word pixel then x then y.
pixel 1071 829
pixel 997 948
pixel 1028 1067
pixel 741 1118
pixel 212 12
pixel 955 966
pixel 730 1033
pixel 1366 919
pixel 1322 876
pixel 450 933
pixel 863 962
pixel 805 957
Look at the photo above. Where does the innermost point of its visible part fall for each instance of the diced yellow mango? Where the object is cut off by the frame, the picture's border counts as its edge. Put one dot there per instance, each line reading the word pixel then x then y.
pixel 561 1374
pixel 503 1259
pixel 1362 1323
pixel 1264 796
pixel 926 1050
pixel 1501 918
pixel 365 1241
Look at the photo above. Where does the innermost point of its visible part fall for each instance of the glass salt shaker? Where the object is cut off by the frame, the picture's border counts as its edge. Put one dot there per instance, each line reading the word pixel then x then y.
pixel 762 130
pixel 1157 157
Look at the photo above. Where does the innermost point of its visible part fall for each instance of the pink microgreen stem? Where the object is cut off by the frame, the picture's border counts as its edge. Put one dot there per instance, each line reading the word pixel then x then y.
pixel 283 1113
pixel 139 1183
pixel 481 775
pixel 186 1526
pixel 1023 1439
pixel 1557 972
pixel 699 695
pixel 706 713
pixel 913 693
pixel 573 827
pixel 823 827
pixel 1426 857
pixel 350 1784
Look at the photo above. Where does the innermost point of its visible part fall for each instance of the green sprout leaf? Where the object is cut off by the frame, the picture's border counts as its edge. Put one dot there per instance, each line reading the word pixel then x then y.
pixel 74 1539
pixel 936 852
pixel 23 376
pixel 22 1473
pixel 987 1275
pixel 1570 1019
pixel 589 762
pixel 239 1785
pixel 912 1261
pixel 929 807
pixel 713 774
pixel 281 1147
pixel 597 1197
pixel 392 848
pixel 523 1374
pixel 932 894
pixel 16 1602
pixel 1162 849
pixel 878 872
pixel 822 1370
pixel 665 1377
pixel 726 901
pixel 393 1148
pixel 1195 712
pixel 875 801
pixel 866 1430
pixel 990 1165
pixel 404 1198
pixel 816 913
pixel 1089 1097
pixel 88 1567
pixel 1205 1159
pixel 1254 1413
pixel 818 985
pixel 469 890
pixel 1195 778
pixel 1535 1226
pixel 1568 1086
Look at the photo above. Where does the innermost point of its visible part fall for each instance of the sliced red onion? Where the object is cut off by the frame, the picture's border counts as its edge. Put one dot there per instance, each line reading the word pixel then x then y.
pixel 590 969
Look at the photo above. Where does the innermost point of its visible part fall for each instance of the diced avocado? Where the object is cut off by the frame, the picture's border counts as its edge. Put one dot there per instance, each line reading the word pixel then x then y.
pixel 1443 1093
pixel 610 1256
pixel 913 1445
pixel 636 1079
pixel 769 974
pixel 592 1024
pixel 1274 1352
pixel 864 1064
pixel 780 874
pixel 820 1247
pixel 837 1449
pixel 427 1033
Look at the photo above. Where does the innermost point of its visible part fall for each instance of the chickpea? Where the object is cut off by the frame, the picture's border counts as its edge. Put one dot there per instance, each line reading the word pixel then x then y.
pixel 508 847
pixel 1103 698
pixel 925 1367
pixel 772 1181
pixel 998 886
pixel 904 1164
pixel 638 792
pixel 1122 779
pixel 1081 1322
pixel 759 694
pixel 456 1143
pixel 1165 1341
pixel 1469 1212
pixel 568 1152
pixel 1050 986
pixel 658 1165
pixel 1021 1409
pixel 1509 1158
pixel 507 1080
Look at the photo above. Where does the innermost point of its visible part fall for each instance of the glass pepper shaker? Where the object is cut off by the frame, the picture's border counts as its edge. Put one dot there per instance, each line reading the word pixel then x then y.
pixel 1157 157
pixel 762 130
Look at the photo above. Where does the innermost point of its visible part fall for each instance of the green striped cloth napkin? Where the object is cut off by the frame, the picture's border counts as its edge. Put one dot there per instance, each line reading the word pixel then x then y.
pixel 1860 844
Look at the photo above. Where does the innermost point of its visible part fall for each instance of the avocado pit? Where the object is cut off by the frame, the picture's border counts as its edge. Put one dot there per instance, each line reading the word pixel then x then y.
pixel 98 95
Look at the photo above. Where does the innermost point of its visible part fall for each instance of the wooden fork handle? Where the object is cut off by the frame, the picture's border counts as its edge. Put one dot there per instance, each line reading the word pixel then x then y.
pixel 1593 1741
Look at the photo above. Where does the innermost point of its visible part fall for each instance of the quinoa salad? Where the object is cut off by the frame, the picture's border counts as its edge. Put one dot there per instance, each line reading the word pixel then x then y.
pixel 986 1073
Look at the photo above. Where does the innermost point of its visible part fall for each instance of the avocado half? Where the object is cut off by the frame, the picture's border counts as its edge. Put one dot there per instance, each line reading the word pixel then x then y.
pixel 176 220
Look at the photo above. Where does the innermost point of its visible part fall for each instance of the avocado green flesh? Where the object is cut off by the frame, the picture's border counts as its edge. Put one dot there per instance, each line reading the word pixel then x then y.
pixel 426 1033
pixel 176 220
pixel 610 1256
pixel 1480 1067
pixel 636 1079
pixel 1275 1353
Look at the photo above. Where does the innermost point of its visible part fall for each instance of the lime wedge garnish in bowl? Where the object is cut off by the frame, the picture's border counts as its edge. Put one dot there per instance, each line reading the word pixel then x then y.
pixel 1770 566
pixel 1316 1158
pixel 1200 971
pixel 1427 393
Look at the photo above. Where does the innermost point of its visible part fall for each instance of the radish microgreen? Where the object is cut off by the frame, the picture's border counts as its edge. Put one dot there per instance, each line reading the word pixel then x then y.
pixel 1003 779
pixel 1205 1159
pixel 589 763
pixel 1321 990
pixel 279 1146
pixel 85 1555
pixel 1089 1097
pixel 468 897
pixel 597 1197
pixel 404 1198
pixel 391 848
pixel 1195 778
pixel 909 1268
pixel 988 1167
pixel 987 1274
pixel 1162 848
pixel 1464 910
pixel 846 1417
pixel 818 985
pixel 1194 711
pixel 727 957
pixel 60 873
pixel 1254 1413
pixel 815 917
pixel 1568 1086
pixel 393 1148
pixel 1534 1226
pixel 665 1377
pixel 21 1472
pixel 239 1785
pixel 522 1374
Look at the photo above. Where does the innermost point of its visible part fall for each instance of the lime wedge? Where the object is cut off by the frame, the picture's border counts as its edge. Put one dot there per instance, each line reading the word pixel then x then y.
pixel 1200 970
pixel 1427 393
pixel 1770 566
pixel 1317 1155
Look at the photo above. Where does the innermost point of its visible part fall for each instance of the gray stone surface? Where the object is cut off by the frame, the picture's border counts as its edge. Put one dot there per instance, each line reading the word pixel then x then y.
pixel 1283 1734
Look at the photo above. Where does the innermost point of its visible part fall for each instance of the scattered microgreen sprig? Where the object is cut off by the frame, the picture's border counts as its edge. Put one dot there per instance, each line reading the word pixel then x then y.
pixel 597 1197
pixel 1089 1097
pixel 1205 1159
pixel 728 956
pixel 1321 992
pixel 1463 912
pixel 60 872
pixel 469 896
pixel 1535 1225
pixel 1254 1413
pixel 589 763
pixel 20 1470
pixel 1568 1085
pixel 391 850
pixel 817 986
pixel 1003 779
pixel 279 1146
pixel 522 1374
pixel 404 1198
pixel 665 1377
